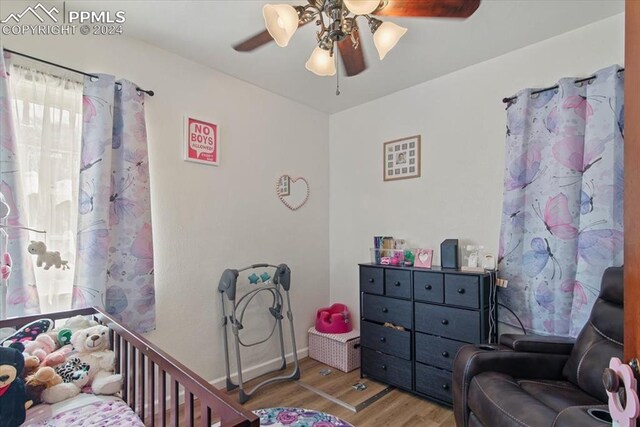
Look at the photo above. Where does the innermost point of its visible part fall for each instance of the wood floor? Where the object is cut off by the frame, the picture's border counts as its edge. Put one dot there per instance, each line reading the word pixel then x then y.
pixel 397 408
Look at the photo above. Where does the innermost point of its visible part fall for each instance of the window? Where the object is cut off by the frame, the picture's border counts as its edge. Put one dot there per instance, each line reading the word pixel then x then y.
pixel 48 114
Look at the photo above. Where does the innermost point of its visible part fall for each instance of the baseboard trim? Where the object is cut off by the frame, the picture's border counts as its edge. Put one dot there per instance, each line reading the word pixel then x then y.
pixel 260 369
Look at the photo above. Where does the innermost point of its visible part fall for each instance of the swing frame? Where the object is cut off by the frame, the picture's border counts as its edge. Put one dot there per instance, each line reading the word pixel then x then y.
pixel 228 286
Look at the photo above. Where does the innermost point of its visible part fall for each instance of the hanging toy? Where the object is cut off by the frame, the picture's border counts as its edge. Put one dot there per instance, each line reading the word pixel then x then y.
pixel 5 210
pixel 5 267
pixel 48 259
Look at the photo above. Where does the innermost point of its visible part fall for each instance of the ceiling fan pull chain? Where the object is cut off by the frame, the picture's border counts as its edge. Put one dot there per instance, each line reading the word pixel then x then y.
pixel 337 73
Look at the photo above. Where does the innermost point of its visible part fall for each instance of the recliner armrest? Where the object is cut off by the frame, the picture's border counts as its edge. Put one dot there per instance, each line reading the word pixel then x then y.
pixel 579 416
pixel 538 343
pixel 472 360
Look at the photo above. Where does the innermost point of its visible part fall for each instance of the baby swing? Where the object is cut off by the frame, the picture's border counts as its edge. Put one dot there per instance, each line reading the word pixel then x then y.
pixel 281 281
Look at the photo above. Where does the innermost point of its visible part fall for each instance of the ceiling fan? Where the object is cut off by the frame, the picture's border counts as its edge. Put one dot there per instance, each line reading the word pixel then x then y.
pixel 337 24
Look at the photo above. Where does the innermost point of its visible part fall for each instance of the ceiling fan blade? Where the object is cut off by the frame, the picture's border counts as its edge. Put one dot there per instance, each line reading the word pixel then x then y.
pixel 352 58
pixel 429 8
pixel 258 40
pixel 254 42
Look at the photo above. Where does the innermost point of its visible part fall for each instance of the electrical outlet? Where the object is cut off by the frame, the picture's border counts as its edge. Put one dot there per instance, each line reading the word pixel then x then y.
pixel 502 283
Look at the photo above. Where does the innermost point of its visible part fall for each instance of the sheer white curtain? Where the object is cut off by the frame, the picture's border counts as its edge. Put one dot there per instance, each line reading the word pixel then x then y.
pixel 48 112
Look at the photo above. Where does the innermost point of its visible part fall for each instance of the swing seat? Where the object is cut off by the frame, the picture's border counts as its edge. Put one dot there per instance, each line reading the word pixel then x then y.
pixel 334 320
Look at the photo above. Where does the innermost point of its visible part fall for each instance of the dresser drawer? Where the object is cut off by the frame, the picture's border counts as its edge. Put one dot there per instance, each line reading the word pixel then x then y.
pixel 385 309
pixel 388 369
pixel 436 351
pixel 428 286
pixel 386 340
pixel 372 280
pixel 397 283
pixel 462 290
pixel 448 322
pixel 434 382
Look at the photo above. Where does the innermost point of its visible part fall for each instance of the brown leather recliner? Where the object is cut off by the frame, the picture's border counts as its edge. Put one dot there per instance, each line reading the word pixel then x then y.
pixel 538 381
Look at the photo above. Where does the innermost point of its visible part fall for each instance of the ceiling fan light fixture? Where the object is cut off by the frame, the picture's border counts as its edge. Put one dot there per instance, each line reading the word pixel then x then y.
pixel 361 7
pixel 321 62
pixel 386 36
pixel 281 21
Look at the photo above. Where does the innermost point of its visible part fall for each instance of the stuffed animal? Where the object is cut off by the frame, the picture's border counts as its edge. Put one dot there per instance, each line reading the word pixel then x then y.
pixel 38 382
pixel 40 347
pixel 63 334
pixel 57 357
pixel 94 362
pixel 31 365
pixel 48 259
pixel 4 207
pixel 28 332
pixel 55 392
pixel 13 397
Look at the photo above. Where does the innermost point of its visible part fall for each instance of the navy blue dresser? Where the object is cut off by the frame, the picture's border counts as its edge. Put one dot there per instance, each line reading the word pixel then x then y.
pixel 439 310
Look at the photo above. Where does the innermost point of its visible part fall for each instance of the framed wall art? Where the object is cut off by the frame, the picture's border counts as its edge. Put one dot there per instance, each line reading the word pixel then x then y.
pixel 201 141
pixel 423 258
pixel 401 158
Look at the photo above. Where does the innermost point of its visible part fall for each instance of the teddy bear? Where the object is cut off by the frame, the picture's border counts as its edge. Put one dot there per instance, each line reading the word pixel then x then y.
pixel 13 397
pixel 62 335
pixel 94 362
pixel 48 259
pixel 45 385
pixel 40 347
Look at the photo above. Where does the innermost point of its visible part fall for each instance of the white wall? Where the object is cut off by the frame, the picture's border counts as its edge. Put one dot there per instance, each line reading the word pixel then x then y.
pixel 461 119
pixel 206 218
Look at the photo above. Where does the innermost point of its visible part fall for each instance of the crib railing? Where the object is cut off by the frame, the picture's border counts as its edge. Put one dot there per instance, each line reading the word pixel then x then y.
pixel 155 383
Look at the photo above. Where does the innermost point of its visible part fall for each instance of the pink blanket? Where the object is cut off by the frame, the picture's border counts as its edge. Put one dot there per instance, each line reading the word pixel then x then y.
pixel 100 413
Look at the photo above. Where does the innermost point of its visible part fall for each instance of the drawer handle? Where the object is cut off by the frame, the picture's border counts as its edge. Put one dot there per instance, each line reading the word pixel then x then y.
pixel 445 322
pixel 445 386
pixel 461 290
pixel 428 287
pixel 384 367
pixel 385 309
pixel 371 280
pixel 382 339
pixel 445 354
pixel 397 283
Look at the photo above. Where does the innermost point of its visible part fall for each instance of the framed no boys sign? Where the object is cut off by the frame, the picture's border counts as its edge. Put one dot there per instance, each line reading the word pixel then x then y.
pixel 201 143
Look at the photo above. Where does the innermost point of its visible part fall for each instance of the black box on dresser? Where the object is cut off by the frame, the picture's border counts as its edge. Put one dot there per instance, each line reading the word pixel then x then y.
pixel 434 311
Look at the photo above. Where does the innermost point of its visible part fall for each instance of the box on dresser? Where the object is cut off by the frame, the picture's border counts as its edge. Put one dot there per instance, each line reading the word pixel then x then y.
pixel 413 321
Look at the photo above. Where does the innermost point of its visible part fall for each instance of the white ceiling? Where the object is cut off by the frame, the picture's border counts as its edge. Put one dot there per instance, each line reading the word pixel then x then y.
pixel 204 31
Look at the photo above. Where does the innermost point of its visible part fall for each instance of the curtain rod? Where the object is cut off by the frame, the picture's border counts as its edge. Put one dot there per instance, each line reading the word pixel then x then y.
pixel 535 92
pixel 93 76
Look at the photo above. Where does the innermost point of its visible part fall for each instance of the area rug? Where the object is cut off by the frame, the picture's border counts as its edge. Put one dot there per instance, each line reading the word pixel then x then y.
pixel 298 417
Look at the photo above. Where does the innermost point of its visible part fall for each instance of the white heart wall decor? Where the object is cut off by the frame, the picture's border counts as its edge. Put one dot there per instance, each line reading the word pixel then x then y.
pixel 292 192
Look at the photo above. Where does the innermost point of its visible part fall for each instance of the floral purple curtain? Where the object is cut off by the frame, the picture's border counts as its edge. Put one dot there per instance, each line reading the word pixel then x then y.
pixel 19 295
pixel 114 263
pixel 563 200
